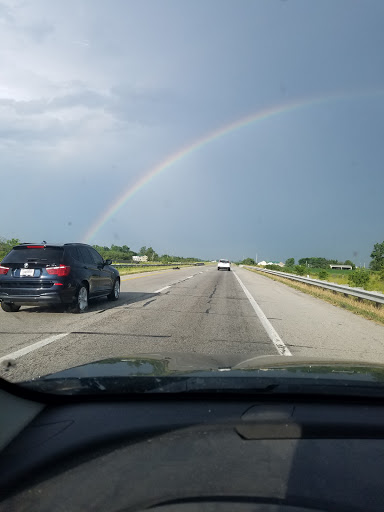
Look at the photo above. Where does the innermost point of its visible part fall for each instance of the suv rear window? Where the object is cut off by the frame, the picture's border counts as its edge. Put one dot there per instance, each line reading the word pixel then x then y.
pixel 46 255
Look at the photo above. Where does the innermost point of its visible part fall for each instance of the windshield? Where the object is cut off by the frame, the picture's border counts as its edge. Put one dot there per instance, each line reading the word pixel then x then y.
pixel 126 127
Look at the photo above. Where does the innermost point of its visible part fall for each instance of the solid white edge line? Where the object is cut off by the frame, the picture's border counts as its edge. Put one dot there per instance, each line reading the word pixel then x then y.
pixel 274 337
pixel 35 346
pixel 162 289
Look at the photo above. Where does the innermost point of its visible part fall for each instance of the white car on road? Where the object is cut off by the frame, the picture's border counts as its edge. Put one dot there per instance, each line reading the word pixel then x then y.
pixel 224 265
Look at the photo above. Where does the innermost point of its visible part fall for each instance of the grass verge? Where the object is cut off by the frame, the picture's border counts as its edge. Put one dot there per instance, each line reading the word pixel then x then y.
pixel 131 270
pixel 364 308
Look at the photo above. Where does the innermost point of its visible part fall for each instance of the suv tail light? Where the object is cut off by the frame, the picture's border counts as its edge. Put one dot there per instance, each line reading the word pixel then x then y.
pixel 3 270
pixel 61 271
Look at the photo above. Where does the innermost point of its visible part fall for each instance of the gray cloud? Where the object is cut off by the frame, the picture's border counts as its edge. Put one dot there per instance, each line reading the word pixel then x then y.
pixel 38 31
pixel 125 104
pixel 24 131
pixel 5 14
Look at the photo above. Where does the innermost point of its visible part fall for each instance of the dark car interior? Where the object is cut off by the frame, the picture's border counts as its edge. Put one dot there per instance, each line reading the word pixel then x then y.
pixel 190 452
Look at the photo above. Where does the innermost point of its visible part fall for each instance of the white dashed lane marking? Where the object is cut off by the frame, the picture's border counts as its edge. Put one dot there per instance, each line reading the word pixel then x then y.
pixel 34 346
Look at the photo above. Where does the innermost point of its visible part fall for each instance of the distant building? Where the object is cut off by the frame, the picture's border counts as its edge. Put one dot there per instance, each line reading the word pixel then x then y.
pixel 140 258
pixel 264 263
pixel 341 267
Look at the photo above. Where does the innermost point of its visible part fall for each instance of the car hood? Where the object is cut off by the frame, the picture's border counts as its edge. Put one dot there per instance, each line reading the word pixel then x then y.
pixel 174 373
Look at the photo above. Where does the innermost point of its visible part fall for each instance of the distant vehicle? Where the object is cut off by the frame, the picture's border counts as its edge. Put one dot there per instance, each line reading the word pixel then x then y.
pixel 45 274
pixel 224 265
pixel 199 263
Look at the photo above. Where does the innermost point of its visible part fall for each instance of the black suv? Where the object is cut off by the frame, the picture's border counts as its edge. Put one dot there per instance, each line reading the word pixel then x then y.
pixel 37 274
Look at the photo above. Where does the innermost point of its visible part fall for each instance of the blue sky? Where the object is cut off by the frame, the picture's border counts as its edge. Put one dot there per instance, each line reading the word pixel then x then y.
pixel 93 94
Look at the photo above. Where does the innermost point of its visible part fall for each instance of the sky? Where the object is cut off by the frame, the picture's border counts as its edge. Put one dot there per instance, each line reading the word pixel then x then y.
pixel 96 97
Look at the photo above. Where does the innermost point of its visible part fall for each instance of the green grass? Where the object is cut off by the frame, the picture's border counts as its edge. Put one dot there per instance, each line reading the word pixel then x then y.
pixel 123 271
pixel 341 277
pixel 152 268
pixel 333 271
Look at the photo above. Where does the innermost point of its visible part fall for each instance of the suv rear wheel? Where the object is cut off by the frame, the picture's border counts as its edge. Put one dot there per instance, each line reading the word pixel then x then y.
pixel 115 293
pixel 9 307
pixel 81 299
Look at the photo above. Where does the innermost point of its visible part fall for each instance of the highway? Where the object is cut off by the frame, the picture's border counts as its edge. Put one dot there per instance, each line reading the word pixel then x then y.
pixel 230 316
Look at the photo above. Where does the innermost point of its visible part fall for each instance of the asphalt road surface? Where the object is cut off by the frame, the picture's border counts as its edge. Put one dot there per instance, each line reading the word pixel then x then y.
pixel 198 310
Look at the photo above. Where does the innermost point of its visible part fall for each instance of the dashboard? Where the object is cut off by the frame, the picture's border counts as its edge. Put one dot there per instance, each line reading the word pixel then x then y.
pixel 188 453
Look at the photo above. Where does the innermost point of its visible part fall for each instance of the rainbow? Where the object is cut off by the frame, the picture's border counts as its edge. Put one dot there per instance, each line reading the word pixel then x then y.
pixel 176 157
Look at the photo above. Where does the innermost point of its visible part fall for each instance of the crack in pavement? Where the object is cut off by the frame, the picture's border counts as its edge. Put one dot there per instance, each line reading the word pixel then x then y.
pixel 213 293
pixel 146 304
pixel 122 334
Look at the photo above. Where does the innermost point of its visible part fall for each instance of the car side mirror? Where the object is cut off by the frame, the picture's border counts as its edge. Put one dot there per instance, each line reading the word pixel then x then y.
pixel 108 262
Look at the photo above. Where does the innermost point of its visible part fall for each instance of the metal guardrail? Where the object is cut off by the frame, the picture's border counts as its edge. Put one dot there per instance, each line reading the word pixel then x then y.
pixel 360 293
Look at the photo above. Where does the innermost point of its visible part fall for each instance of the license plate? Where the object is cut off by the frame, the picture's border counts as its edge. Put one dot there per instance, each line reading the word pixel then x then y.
pixel 27 272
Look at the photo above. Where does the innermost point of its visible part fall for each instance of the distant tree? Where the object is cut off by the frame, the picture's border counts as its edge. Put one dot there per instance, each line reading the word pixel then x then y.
pixel 349 262
pixel 143 251
pixel 290 262
pixel 248 261
pixel 152 255
pixel 7 245
pixel 377 256
pixel 316 262
pixel 12 242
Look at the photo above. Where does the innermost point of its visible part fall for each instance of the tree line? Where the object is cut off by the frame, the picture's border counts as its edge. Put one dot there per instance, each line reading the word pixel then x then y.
pixel 376 264
pixel 314 262
pixel 123 253
pixel 117 253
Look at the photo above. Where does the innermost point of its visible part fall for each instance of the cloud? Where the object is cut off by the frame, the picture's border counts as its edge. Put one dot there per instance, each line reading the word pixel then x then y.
pixel 15 18
pixel 70 114
pixel 5 14
pixel 38 31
